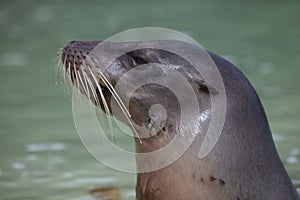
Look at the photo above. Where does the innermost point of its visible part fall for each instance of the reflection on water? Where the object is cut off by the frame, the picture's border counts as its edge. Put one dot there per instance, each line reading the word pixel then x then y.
pixel 53 146
pixel 48 168
pixel 14 59
pixel 41 155
pixel 293 157
pixel 83 181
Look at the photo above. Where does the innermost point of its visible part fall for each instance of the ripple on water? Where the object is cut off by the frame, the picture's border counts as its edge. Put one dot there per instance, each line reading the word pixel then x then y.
pixel 272 91
pixel 278 137
pixel 130 193
pixel 266 68
pixel 83 181
pixel 112 22
pixel 292 160
pixel 18 166
pixel 86 197
pixel 55 160
pixel 295 151
pixel 51 146
pixel 31 157
pixel 82 172
pixel 14 59
pixel 67 174
pixel 297 184
pixel 43 14
pixel 4 15
pixel 40 173
pixel 15 31
pixel 293 156
pixel 9 184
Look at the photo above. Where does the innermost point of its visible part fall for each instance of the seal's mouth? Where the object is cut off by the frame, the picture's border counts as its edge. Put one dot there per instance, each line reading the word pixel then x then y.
pixel 97 85
pixel 89 80
pixel 73 57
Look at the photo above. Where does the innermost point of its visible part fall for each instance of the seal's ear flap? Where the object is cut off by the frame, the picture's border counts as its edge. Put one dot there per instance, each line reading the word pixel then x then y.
pixel 206 87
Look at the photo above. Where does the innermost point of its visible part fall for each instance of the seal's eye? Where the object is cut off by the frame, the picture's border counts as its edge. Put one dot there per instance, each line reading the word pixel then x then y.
pixel 148 121
pixel 150 126
pixel 139 60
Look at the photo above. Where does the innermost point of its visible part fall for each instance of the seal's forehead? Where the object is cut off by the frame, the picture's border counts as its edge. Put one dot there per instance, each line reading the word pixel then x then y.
pixel 81 45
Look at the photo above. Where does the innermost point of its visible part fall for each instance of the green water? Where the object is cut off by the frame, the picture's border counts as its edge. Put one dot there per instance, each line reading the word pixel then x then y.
pixel 41 156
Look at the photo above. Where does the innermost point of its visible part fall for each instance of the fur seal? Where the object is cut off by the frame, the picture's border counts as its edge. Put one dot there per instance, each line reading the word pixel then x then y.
pixel 244 164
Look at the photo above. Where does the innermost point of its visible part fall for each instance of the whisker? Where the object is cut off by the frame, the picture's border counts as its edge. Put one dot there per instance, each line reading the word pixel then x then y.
pixel 59 51
pixel 63 71
pixel 75 72
pixel 81 86
pixel 69 76
pixel 119 102
pixel 93 91
pixel 71 73
pixel 81 81
pixel 78 85
pixel 67 83
pixel 86 84
pixel 100 91
pixel 57 59
pixel 57 68
pixel 106 108
pixel 113 92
